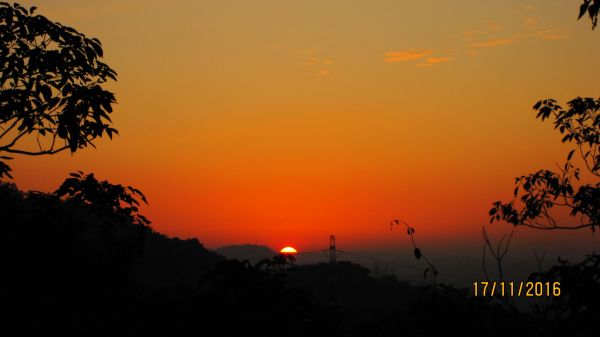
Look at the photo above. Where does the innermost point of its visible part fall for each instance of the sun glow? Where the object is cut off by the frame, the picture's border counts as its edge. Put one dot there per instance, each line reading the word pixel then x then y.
pixel 288 250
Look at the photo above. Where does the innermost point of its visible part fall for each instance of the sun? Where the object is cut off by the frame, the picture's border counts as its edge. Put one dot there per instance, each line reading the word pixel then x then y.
pixel 288 250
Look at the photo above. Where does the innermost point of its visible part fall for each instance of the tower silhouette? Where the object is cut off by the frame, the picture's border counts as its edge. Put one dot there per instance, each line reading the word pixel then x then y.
pixel 332 252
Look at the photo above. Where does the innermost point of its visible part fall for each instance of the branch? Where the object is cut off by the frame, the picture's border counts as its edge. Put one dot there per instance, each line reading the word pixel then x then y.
pixel 14 141
pixel 498 255
pixel 591 169
pixel 558 227
pixel 8 129
pixel 417 251
pixel 29 153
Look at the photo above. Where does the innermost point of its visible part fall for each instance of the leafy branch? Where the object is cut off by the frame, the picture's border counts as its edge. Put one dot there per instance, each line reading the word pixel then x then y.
pixel 51 79
pixel 537 194
pixel 417 251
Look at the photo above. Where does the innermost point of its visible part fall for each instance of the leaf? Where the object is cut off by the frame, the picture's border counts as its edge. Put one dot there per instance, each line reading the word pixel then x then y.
pixel 570 155
pixel 582 9
pixel 46 92
pixel 418 254
pixel 425 273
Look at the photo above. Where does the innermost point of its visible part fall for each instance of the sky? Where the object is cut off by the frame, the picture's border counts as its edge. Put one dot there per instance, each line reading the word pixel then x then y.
pixel 283 122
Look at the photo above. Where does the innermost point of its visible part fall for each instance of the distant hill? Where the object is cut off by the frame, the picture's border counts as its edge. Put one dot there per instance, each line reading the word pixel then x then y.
pixel 173 261
pixel 252 253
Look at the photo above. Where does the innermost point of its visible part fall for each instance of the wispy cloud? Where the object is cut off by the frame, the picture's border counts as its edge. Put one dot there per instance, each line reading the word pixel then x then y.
pixel 311 58
pixel 324 72
pixel 551 34
pixel 423 56
pixel 493 42
pixel 431 61
pixel 470 34
pixel 408 55
pixel 489 34
pixel 436 60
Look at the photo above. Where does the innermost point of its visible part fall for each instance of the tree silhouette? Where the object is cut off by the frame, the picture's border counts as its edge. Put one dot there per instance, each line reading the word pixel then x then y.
pixel 579 300
pixel 51 90
pixel 119 200
pixel 538 193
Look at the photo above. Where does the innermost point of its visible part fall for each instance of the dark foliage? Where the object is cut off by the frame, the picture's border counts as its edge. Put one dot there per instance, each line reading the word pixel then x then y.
pixel 578 306
pixel 361 300
pixel 82 261
pixel 538 193
pixel 51 90
pixel 64 264
pixel 591 8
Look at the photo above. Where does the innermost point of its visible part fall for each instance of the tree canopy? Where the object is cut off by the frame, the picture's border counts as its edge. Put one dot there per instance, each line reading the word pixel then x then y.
pixel 51 90
pixel 537 194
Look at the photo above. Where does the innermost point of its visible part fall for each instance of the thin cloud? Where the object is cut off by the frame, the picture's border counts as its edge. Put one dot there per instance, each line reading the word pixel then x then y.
pixel 323 73
pixel 311 60
pixel 431 61
pixel 545 34
pixel 436 60
pixel 403 56
pixel 551 34
pixel 494 42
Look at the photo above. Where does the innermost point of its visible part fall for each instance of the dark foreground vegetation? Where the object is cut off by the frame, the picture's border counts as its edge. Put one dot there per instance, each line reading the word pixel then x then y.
pixel 79 263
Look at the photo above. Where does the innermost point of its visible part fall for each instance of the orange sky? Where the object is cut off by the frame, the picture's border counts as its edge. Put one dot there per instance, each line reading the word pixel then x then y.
pixel 281 122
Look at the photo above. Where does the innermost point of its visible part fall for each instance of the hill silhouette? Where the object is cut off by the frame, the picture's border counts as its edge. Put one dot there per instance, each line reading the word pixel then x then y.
pixel 172 261
pixel 88 269
pixel 349 287
pixel 252 253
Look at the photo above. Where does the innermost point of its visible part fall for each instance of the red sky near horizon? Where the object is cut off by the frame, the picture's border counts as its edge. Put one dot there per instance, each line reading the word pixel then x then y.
pixel 282 122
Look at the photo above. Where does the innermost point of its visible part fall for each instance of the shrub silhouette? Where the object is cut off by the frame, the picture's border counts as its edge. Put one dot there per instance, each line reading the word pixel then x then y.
pixel 63 258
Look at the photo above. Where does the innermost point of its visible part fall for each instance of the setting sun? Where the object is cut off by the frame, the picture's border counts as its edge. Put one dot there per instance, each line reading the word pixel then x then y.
pixel 288 250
